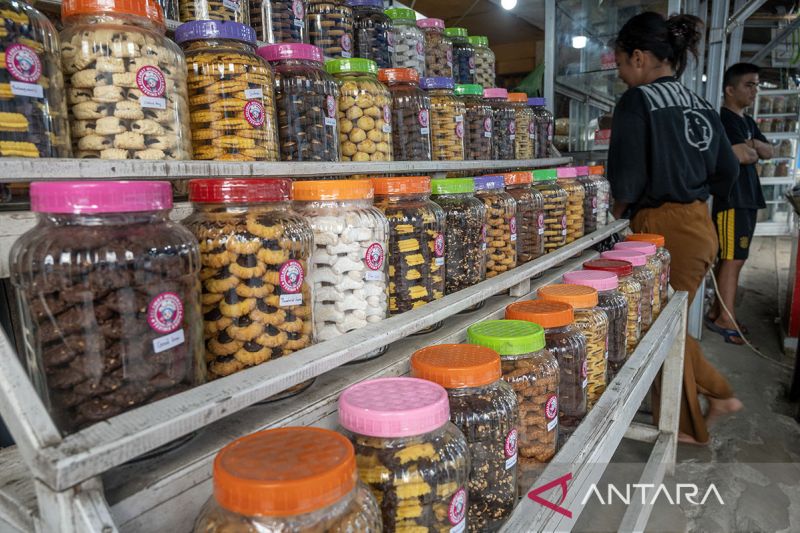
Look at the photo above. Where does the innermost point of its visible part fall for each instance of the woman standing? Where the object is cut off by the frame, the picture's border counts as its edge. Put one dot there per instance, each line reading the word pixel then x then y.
pixel 668 152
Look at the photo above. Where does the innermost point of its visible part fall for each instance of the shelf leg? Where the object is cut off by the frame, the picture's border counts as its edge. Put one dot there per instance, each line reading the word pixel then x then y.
pixel 671 388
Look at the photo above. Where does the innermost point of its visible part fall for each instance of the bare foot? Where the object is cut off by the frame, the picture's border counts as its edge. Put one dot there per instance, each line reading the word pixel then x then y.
pixel 718 408
pixel 683 438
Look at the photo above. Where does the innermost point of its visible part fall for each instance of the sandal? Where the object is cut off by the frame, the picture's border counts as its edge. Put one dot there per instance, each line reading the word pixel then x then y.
pixel 728 334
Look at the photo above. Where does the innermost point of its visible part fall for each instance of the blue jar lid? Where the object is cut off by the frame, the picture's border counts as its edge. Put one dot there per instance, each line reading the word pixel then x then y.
pixel 437 83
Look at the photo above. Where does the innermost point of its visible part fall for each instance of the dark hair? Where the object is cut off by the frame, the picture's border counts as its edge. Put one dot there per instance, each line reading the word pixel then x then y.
pixel 671 39
pixel 735 72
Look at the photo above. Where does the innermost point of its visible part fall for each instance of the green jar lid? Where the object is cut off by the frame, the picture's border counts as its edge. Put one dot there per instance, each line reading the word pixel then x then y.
pixel 545 174
pixel 452 185
pixel 507 337
pixel 401 13
pixel 456 32
pixel 469 89
pixel 479 40
pixel 356 65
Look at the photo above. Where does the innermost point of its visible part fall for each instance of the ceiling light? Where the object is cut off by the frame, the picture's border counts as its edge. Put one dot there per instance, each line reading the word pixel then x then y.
pixel 579 41
pixel 704 78
pixel 508 4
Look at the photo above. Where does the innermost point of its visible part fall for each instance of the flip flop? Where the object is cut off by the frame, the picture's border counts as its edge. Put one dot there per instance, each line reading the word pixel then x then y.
pixel 727 334
pixel 742 327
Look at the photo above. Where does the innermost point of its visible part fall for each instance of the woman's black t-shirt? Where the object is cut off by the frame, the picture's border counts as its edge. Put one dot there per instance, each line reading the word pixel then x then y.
pixel 668 145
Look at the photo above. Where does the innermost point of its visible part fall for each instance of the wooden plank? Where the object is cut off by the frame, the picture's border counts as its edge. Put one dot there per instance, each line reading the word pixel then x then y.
pixel 17 495
pixel 671 389
pixel 642 432
pixel 637 514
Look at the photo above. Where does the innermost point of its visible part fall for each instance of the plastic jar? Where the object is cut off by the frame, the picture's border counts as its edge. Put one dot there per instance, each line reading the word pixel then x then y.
pixel 663 255
pixel 530 215
pixel 447 119
pixel 644 276
pixel 372 31
pixel 409 42
pixel 463 55
pixel 533 374
pixel 465 224
pixel 591 200
pixel 501 224
pixel 484 61
pixel 416 241
pixel 31 86
pixel 125 81
pixel 228 10
pixel 566 342
pixel 329 24
pixel 305 99
pixel 653 265
pixel 279 21
pixel 525 137
pixel 299 479
pixel 504 125
pixel 438 49
pixel 108 297
pixel 567 179
pixel 365 111
pixel 408 452
pixel 231 94
pixel 485 409
pixel 603 195
pixel 478 123
pixel 555 208
pixel 411 131
pixel 545 124
pixel 349 273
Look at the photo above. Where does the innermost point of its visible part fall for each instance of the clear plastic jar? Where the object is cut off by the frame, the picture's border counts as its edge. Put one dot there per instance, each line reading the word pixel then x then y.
pixel 305 99
pixel 411 114
pixel 279 21
pixel 484 61
pixel 438 49
pixel 566 342
pixel 591 202
pixel 416 242
pixel 31 85
pixel 365 111
pixel 663 255
pixel 525 137
pixel 644 276
pixel 533 374
pixel 545 124
pixel 372 31
pixel 299 479
pixel 596 173
pixel 329 24
pixel 501 224
pixel 567 179
pixel 109 299
pixel 555 208
pixel 125 81
pixel 227 10
pixel 463 55
pixel 408 40
pixel 465 226
pixel 231 93
pixel 653 265
pixel 504 125
pixel 350 271
pixel 530 216
pixel 485 409
pixel 478 123
pixel 408 452
pixel 447 119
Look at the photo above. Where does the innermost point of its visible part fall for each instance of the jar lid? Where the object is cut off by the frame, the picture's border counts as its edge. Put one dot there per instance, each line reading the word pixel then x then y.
pixel 431 23
pixel 283 51
pixel 517 97
pixel 495 92
pixel 393 407
pixel 633 257
pixel 326 190
pixel 469 89
pixel 196 30
pixel 456 366
pixel 599 280
pixel 578 296
pixel 596 170
pixel 402 185
pixel 401 13
pixel 436 83
pixel 507 337
pixel 547 314
pixel 456 32
pixel 452 185
pixel 79 197
pixel 390 75
pixel 478 40
pixel 645 248
pixel 517 178
pixel 370 3
pixel 150 9
pixel 536 101
pixel 355 65
pixel 240 191
pixel 284 471
pixel 489 183
pixel 545 174
pixel 582 171
pixel 652 238
pixel 620 268
pixel 566 172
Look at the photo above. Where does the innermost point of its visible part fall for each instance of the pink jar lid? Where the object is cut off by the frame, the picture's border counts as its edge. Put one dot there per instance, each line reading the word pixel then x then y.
pixel 567 172
pixel 78 197
pixel 637 246
pixel 495 92
pixel 394 407
pixel 582 171
pixel 633 257
pixel 430 23
pixel 596 279
pixel 280 52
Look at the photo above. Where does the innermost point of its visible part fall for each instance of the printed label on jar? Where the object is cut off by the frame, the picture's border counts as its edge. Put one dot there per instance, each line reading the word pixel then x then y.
pixel 153 85
pixel 594 204
pixel 512 226
pixel 449 57
pixel 540 223
pixel 299 13
pixel 254 114
pixel 387 119
pixel 31 90
pixel 511 448
pixel 438 249
pixel 330 108
pixel 291 276
pixel 346 41
pixel 374 256
pixel 487 127
pixel 563 224
pixel 424 122
pixel 483 237
pixel 551 412
pixel 165 312
pixel 460 129
pixel 471 63
pixel 420 48
pixel 253 94
pixel 512 130
pixel 457 512
pixel 162 344
pixel 233 5
pixel 23 64
pixel 584 374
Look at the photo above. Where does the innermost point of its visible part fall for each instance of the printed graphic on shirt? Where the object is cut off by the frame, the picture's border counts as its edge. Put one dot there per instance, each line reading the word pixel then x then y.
pixel 697 129
pixel 696 126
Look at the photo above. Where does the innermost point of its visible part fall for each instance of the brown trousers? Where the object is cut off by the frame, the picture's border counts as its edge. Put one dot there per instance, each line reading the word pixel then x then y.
pixel 692 242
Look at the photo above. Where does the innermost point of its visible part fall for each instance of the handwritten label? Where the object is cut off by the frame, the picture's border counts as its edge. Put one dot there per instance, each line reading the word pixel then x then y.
pixel 166 342
pixel 31 90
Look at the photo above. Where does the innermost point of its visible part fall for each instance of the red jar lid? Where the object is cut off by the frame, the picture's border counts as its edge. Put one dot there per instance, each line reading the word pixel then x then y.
pixel 240 191
pixel 620 268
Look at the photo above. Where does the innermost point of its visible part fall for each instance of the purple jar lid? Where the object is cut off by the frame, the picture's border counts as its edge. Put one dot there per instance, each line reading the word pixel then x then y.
pixel 495 92
pixel 437 83
pixel 372 3
pixel 280 52
pixel 77 197
pixel 214 29
pixel 487 183
pixel 430 23
pixel 537 101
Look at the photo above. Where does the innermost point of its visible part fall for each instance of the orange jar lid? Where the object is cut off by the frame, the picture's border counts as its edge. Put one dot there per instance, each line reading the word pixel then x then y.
pixel 389 75
pixel 308 191
pixel 652 238
pixel 597 170
pixel 456 366
pixel 517 178
pixel 578 296
pixel 548 314
pixel 142 8
pixel 402 185
pixel 285 471
pixel 518 97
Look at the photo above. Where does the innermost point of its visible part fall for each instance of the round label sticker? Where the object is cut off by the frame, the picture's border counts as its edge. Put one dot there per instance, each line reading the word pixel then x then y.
pixel 165 312
pixel 387 114
pixel 551 407
pixel 487 124
pixel 471 61
pixel 512 225
pixel 254 113
pixel 331 104
pixel 390 39
pixel 291 276
pixel 420 48
pixel 564 221
pixel 460 129
pixel 483 232
pixel 423 118
pixel 531 128
pixel 511 443
pixel 449 56
pixel 540 221
pixel 298 10
pixel 347 42
pixel 584 369
pixel 594 201
pixel 512 127
pixel 23 64
pixel 438 245
pixel 458 507
pixel 374 256
pixel 151 81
